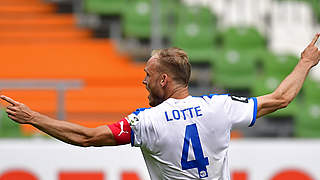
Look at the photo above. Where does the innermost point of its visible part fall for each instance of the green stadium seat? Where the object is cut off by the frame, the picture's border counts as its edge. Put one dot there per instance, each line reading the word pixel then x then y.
pixel 105 7
pixel 201 15
pixel 307 121
pixel 8 128
pixel 197 41
pixel 235 69
pixel 138 15
pixel 278 64
pixel 311 91
pixel 196 33
pixel 243 38
pixel 315 4
pixel 266 84
pixel 137 19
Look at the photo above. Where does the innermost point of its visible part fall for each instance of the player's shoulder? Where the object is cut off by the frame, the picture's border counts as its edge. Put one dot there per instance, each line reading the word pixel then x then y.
pixel 223 97
pixel 140 110
pixel 149 110
pixel 212 98
pixel 136 115
pixel 145 112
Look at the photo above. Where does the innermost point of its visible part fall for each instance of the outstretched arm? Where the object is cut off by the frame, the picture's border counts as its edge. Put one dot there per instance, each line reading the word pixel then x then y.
pixel 291 85
pixel 65 131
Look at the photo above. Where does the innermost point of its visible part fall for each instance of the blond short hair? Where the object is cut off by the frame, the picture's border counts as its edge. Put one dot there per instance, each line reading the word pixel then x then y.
pixel 174 61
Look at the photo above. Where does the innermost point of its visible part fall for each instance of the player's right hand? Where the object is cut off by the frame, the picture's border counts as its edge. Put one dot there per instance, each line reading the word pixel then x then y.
pixel 311 54
pixel 18 112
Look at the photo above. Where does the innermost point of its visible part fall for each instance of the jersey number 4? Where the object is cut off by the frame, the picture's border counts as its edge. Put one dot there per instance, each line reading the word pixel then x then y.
pixel 200 161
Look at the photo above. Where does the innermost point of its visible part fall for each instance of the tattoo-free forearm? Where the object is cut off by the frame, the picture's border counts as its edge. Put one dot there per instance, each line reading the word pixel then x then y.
pixel 286 91
pixel 291 85
pixel 65 131
pixel 62 130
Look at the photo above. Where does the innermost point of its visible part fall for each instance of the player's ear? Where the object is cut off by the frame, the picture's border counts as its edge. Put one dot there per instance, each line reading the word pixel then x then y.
pixel 164 80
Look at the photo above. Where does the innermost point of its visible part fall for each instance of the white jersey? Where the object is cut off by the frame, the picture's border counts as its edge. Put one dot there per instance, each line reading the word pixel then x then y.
pixel 189 138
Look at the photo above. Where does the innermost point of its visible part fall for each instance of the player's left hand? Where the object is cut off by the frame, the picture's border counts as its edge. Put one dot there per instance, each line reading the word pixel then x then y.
pixel 18 112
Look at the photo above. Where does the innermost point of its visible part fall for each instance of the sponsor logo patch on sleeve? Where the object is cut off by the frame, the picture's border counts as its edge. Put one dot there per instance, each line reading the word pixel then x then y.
pixel 240 99
pixel 132 119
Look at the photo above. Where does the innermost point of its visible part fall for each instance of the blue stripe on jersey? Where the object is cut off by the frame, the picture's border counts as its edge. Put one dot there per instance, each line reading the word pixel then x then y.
pixel 136 113
pixel 254 111
pixel 132 138
pixel 210 95
pixel 139 110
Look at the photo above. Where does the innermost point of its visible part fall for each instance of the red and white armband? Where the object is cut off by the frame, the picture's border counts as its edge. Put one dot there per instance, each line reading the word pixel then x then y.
pixel 121 131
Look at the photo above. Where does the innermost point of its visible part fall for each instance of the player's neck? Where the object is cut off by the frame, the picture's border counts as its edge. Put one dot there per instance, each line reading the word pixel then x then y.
pixel 178 92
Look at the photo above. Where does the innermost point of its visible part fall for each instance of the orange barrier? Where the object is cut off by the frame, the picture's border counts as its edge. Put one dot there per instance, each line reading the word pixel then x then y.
pixel 22 1
pixel 36 19
pixel 87 100
pixel 35 43
pixel 70 33
pixel 111 99
pixel 26 8
pixel 88 61
pixel 39 100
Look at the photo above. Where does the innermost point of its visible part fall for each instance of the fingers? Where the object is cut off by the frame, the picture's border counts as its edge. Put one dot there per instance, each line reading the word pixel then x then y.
pixel 12 117
pixel 13 108
pixel 314 40
pixel 11 112
pixel 9 100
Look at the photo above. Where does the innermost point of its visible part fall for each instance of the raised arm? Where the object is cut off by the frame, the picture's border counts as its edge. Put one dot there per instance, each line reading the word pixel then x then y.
pixel 65 131
pixel 291 85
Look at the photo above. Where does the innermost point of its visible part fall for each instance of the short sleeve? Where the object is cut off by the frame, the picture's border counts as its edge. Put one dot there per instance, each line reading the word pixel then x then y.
pixel 241 111
pixel 142 129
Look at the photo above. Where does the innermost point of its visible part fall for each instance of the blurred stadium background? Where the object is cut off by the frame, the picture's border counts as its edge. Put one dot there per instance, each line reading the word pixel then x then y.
pixel 82 61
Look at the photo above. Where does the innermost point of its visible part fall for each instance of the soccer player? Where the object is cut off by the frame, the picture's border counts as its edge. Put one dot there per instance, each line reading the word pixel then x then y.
pixel 177 122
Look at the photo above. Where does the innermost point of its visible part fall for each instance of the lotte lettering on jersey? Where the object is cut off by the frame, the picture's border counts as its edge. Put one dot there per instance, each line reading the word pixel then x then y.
pixel 189 138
